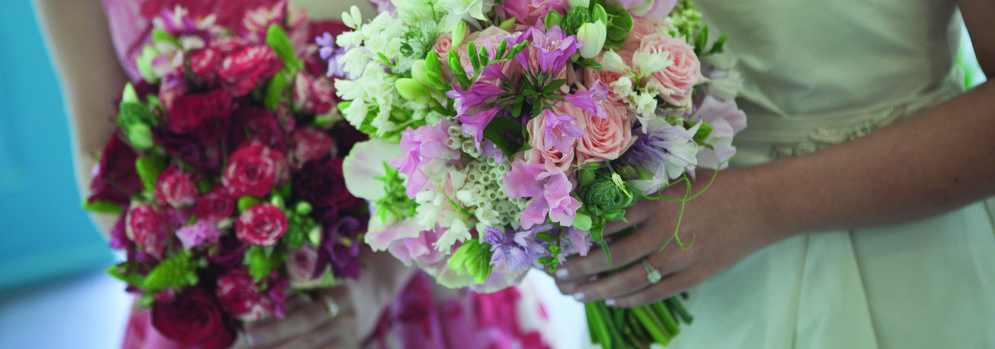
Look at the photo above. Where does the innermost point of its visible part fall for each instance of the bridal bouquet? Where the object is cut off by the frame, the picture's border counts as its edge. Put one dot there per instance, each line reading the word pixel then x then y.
pixel 226 171
pixel 506 134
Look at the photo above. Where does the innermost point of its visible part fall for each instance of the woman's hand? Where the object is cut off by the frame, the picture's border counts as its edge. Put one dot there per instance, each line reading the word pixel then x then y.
pixel 718 229
pixel 329 321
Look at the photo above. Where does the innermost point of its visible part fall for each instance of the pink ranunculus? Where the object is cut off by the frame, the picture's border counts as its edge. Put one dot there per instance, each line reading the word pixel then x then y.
pixel 176 187
pixel 254 169
pixel 301 265
pixel 245 69
pixel 149 228
pixel 193 235
pixel 241 297
pixel 676 82
pixel 261 225
pixel 313 94
pixel 204 64
pixel 309 144
pixel 551 158
pixel 189 111
pixel 529 12
pixel 605 139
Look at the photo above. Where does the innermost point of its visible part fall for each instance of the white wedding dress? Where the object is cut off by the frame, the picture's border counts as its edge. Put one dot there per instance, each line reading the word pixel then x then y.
pixel 818 73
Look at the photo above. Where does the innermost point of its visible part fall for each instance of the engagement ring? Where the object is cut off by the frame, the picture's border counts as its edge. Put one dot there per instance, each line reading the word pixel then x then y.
pixel 652 274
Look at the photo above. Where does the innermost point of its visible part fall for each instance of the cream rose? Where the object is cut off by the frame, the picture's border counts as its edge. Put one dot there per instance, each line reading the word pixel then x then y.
pixel 605 139
pixel 676 82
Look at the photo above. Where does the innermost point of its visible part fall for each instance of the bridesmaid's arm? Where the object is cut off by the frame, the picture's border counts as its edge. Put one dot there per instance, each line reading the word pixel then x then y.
pixel 90 75
pixel 935 161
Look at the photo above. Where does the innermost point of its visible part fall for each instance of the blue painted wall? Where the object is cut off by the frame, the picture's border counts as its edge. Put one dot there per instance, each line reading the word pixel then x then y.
pixel 43 232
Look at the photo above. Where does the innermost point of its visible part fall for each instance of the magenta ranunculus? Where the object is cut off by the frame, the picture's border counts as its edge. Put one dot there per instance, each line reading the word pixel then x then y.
pixel 529 12
pixel 193 235
pixel 114 178
pixel 204 64
pixel 260 125
pixel 313 94
pixel 148 228
pixel 247 68
pixel 254 169
pixel 214 205
pixel 241 297
pixel 176 187
pixel 309 144
pixel 188 111
pixel 195 319
pixel 261 225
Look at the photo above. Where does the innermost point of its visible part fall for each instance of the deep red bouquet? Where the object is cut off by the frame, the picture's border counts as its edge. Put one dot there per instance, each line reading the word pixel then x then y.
pixel 226 173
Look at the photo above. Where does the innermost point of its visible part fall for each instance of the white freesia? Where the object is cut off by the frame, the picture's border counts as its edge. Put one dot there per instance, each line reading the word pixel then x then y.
pixel 468 10
pixel 593 36
pixel 612 62
pixel 648 62
pixel 458 231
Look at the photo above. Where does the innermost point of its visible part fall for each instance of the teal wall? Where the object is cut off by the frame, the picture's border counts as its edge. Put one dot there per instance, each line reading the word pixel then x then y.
pixel 43 232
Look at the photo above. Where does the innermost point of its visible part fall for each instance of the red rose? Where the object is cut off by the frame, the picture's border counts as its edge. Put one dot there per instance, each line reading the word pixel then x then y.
pixel 240 296
pixel 148 228
pixel 313 95
pixel 114 179
pixel 214 205
pixel 321 183
pixel 309 144
pixel 261 225
pixel 245 69
pixel 195 319
pixel 260 125
pixel 187 112
pixel 176 187
pixel 254 169
pixel 204 65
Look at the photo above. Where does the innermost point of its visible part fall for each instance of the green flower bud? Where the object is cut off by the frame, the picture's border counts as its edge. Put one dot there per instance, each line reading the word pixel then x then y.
pixel 509 24
pixel 593 36
pixel 579 3
pixel 585 176
pixel 459 33
pixel 553 18
pixel 603 196
pixel 144 63
pixel 303 208
pixel 413 90
pixel 140 137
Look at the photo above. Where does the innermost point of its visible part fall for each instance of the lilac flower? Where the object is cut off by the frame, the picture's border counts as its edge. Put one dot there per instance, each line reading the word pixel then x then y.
pixel 560 128
pixel 551 50
pixel 590 100
pixel 726 120
pixel 517 250
pixel 193 235
pixel 327 43
pixel 384 5
pixel 424 149
pixel 549 190
pixel 665 152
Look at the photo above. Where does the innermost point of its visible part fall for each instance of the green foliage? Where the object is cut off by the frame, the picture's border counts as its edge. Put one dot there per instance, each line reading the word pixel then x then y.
pixel 263 260
pixel 177 271
pixel 149 168
pixel 247 201
pixel 159 36
pixel 619 26
pixel 277 90
pixel 102 207
pixel 299 227
pixel 473 258
pixel 277 39
pixel 508 134
pixel 396 202
pixel 124 272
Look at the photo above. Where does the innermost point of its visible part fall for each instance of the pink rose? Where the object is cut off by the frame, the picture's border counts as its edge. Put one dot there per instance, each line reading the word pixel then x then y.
pixel 148 228
pixel 214 205
pixel 676 82
pixel 606 78
pixel 260 125
pixel 605 139
pixel 309 144
pixel 443 44
pixel 241 297
pixel 261 225
pixel 254 169
pixel 247 68
pixel 553 157
pixel 301 265
pixel 176 187
pixel 313 95
pixel 193 235
pixel 529 12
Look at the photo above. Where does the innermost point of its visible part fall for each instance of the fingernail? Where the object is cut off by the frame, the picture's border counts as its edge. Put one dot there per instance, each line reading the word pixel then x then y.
pixel 610 302
pixel 580 297
pixel 562 273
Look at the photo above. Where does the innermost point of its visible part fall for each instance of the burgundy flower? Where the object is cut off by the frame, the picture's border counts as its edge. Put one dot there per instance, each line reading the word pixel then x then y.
pixel 246 68
pixel 215 205
pixel 195 319
pixel 309 144
pixel 205 158
pixel 241 297
pixel 340 248
pixel 313 94
pixel 119 235
pixel 254 169
pixel 204 64
pixel 261 225
pixel 230 252
pixel 320 182
pixel 257 124
pixel 149 228
pixel 176 187
pixel 114 179
pixel 187 112
pixel 346 136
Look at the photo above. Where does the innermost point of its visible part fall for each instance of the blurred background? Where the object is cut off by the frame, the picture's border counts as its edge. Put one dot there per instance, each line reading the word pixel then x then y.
pixel 53 290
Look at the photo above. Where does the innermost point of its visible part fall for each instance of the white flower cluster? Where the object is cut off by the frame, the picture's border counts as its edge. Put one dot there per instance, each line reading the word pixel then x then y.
pixel 484 194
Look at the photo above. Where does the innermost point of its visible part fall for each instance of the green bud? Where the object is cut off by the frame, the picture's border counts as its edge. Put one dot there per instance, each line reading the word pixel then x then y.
pixel 603 196
pixel 553 18
pixel 582 221
pixel 277 201
pixel 303 208
pixel 509 24
pixel 160 36
pixel 140 137
pixel 580 3
pixel 413 90
pixel 129 94
pixel 593 36
pixel 144 63
pixel 459 33
pixel 585 176
pixel 247 201
pixel 433 71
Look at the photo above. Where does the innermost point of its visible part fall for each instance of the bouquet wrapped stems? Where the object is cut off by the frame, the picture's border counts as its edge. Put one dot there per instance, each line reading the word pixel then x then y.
pixel 637 327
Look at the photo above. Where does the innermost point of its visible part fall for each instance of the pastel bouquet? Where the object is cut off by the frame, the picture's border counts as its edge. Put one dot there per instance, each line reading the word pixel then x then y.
pixel 226 171
pixel 506 134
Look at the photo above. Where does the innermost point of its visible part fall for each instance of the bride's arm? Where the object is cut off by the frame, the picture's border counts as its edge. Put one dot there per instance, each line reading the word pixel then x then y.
pixel 935 161
pixel 90 75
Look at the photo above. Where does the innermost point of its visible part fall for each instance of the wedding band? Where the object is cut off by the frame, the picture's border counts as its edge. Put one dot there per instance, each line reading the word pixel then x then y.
pixel 652 274
pixel 333 308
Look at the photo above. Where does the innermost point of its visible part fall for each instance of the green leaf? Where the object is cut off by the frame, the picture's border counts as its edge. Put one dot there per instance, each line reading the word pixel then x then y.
pixel 102 207
pixel 473 258
pixel 135 113
pixel 149 168
pixel 507 134
pixel 547 237
pixel 553 248
pixel 262 263
pixel 276 90
pixel 621 24
pixel 704 131
pixel 177 271
pixel 120 272
pixel 277 39
pixel 553 17
pixel 597 230
pixel 159 35
pixel 553 86
pixel 590 63
pixel 247 201
pixel 598 13
pixel 546 260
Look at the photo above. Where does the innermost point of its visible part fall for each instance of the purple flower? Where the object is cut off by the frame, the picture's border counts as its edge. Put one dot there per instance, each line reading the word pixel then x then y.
pixel 476 123
pixel 549 50
pixel 666 152
pixel 517 250
pixel 560 128
pixel 424 149
pixel 326 42
pixel 338 247
pixel 193 235
pixel 384 5
pixel 726 120
pixel 553 199
pixel 590 100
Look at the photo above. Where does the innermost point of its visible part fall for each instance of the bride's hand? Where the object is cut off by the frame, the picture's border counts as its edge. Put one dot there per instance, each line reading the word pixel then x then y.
pixel 719 228
pixel 327 322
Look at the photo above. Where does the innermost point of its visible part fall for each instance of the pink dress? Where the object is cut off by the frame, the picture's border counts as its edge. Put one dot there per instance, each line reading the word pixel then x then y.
pixel 423 314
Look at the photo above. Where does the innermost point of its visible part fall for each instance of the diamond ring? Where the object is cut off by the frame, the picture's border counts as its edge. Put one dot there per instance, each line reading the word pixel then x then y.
pixel 652 274
pixel 333 308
